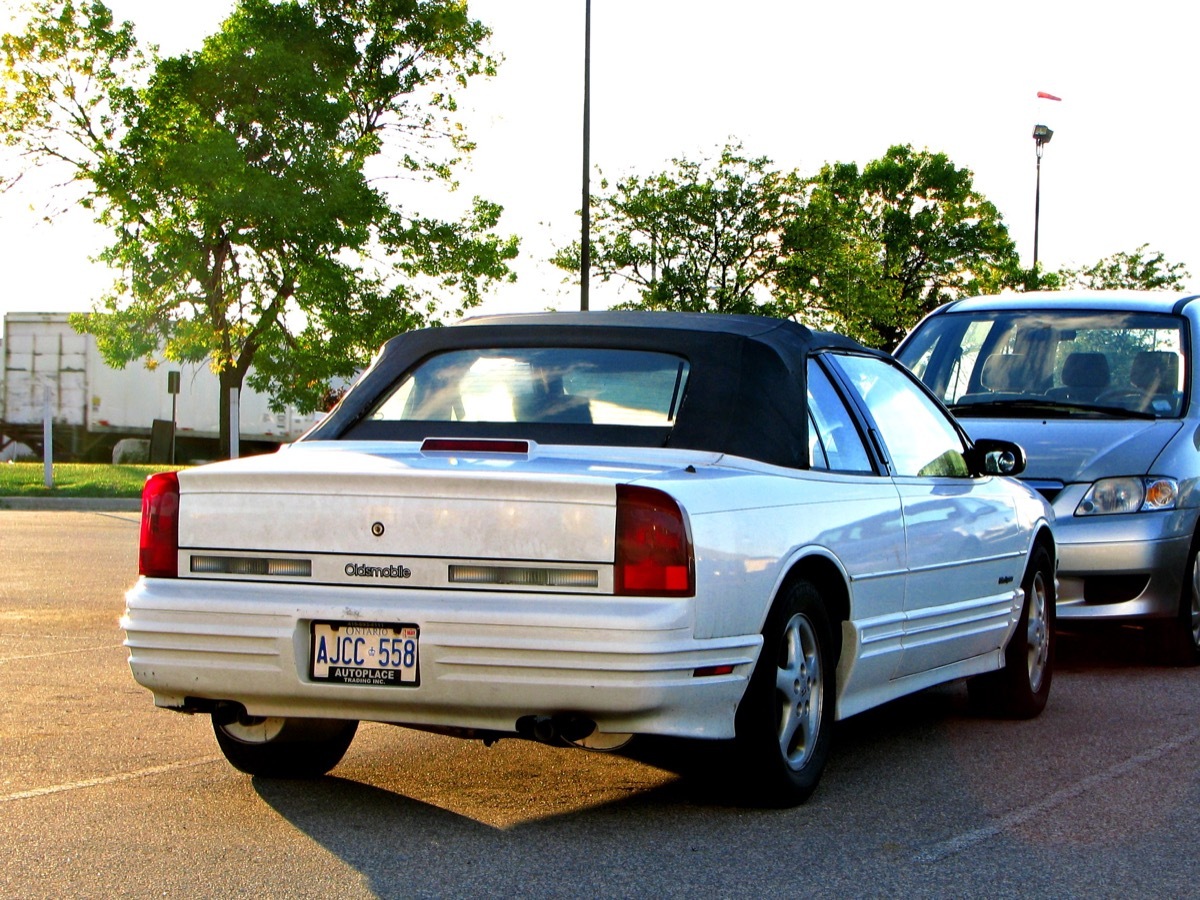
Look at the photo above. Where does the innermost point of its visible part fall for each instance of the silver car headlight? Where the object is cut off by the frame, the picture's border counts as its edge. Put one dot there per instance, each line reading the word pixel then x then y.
pixel 1129 494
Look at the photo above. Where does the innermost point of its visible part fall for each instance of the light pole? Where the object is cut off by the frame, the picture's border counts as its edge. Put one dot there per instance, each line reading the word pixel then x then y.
pixel 585 245
pixel 1041 137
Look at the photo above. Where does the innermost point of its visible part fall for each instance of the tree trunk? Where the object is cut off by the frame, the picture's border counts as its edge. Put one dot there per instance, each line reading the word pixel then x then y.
pixel 230 378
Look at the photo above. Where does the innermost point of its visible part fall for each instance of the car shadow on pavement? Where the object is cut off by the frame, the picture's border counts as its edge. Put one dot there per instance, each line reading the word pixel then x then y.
pixel 443 812
pixel 1107 646
pixel 404 847
pixel 427 832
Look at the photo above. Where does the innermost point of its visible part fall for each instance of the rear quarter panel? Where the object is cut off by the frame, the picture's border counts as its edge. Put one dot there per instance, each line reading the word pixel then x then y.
pixel 749 525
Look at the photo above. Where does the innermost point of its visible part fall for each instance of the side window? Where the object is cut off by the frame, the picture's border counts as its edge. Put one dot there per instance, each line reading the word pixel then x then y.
pixel 919 438
pixel 834 441
pixel 817 459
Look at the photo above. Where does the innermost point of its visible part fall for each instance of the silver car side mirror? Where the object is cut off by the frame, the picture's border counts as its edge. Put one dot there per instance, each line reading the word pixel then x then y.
pixel 997 457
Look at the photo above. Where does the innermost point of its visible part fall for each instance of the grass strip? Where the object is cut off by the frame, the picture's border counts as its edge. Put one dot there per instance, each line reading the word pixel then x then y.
pixel 27 479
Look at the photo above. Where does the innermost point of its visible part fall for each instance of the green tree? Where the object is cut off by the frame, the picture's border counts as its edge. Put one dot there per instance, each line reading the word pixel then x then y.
pixel 1143 269
pixel 871 251
pixel 702 237
pixel 237 179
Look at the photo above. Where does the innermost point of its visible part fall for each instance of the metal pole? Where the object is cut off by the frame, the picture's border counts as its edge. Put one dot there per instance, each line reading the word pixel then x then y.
pixel 1037 205
pixel 173 383
pixel 47 440
pixel 1041 137
pixel 585 255
pixel 235 419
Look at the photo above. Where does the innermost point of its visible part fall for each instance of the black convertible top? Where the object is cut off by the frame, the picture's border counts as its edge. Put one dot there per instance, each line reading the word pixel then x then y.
pixel 746 393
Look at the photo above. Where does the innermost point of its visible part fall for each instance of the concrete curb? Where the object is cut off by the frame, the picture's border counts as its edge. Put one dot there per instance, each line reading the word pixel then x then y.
pixel 71 504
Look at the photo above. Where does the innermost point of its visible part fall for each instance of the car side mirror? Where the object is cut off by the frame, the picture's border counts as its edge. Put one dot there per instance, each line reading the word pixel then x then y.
pixel 990 456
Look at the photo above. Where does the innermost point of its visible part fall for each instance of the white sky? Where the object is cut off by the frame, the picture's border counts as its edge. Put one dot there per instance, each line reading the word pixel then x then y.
pixel 798 81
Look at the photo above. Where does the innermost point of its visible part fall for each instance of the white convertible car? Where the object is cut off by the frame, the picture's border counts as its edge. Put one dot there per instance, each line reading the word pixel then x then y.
pixel 578 528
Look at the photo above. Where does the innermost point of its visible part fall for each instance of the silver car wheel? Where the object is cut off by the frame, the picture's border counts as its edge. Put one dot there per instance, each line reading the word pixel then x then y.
pixel 798 682
pixel 1195 621
pixel 1037 631
pixel 784 724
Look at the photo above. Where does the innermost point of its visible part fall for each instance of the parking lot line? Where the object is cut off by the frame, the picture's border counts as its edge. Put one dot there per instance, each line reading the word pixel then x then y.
pixel 1017 817
pixel 109 779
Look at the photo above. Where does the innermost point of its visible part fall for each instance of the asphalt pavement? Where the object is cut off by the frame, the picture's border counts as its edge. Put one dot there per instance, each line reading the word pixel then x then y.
pixel 104 795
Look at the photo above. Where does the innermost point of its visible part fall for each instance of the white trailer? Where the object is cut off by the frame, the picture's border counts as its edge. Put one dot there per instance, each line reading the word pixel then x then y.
pixel 47 364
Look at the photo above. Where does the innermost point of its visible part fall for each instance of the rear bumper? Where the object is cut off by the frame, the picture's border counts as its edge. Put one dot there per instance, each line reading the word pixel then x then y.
pixel 1123 567
pixel 486 658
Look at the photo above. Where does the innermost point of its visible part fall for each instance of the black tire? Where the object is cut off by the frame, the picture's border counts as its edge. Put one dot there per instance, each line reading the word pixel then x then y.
pixel 283 748
pixel 1021 688
pixel 1181 635
pixel 785 720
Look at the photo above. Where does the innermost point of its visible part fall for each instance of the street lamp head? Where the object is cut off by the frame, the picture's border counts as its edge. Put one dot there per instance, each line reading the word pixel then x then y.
pixel 1041 137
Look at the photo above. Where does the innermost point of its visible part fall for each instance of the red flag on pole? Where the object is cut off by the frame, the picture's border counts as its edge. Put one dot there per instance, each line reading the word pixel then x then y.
pixel 1042 95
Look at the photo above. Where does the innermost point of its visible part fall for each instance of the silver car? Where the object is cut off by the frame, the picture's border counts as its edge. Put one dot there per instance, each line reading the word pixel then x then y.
pixel 581 528
pixel 1097 387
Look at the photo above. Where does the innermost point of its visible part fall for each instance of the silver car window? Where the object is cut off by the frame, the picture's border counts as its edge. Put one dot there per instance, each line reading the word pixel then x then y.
pixel 1113 359
pixel 918 436
pixel 834 441
pixel 579 386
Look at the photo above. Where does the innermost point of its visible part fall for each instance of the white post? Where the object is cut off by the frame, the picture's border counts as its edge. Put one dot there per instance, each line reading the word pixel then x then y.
pixel 47 439
pixel 235 419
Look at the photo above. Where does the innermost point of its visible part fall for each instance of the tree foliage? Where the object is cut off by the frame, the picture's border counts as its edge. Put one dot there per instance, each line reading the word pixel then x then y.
pixel 1142 269
pixel 237 182
pixel 873 250
pixel 66 94
pixel 863 251
pixel 701 237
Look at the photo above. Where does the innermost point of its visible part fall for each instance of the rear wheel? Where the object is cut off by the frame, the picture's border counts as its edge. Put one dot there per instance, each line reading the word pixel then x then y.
pixel 1021 688
pixel 275 747
pixel 785 720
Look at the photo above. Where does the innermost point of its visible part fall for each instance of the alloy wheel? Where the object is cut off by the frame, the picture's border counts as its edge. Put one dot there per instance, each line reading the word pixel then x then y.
pixel 798 683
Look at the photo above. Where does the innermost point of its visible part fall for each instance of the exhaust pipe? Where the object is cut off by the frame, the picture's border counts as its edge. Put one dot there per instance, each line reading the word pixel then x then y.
pixel 559 729
pixel 226 712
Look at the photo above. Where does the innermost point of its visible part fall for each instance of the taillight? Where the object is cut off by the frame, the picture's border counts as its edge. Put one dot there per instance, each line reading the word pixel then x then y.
pixel 653 549
pixel 159 556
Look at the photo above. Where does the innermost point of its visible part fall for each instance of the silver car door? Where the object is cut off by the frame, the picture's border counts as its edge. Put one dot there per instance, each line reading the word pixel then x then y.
pixel 867 534
pixel 964 548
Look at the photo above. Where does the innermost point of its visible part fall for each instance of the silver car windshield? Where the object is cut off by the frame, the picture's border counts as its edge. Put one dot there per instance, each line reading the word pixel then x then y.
pixel 1048 362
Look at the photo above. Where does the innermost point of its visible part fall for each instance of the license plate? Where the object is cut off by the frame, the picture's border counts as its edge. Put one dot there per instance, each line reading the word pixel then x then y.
pixel 373 653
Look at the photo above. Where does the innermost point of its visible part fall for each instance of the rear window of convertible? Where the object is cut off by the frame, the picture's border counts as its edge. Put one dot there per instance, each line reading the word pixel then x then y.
pixel 538 385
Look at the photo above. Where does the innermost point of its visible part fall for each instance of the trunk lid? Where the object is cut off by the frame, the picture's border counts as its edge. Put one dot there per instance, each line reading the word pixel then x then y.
pixel 390 514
